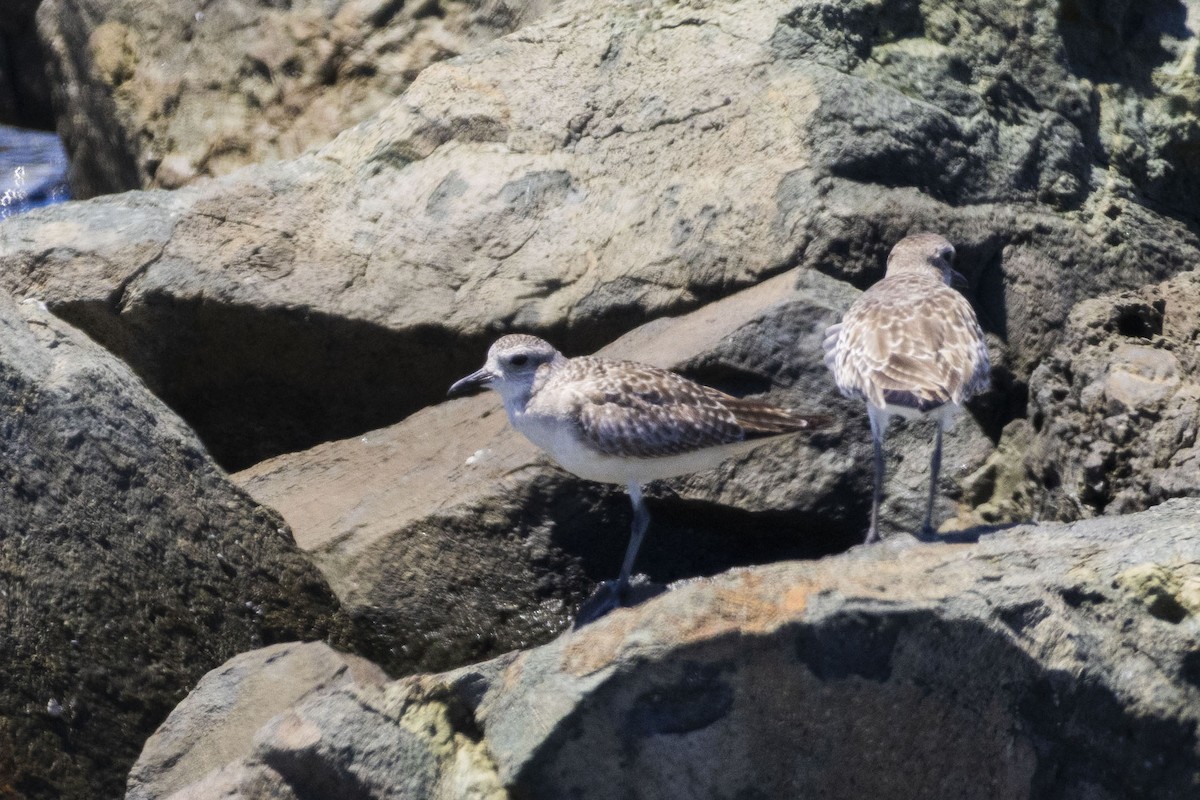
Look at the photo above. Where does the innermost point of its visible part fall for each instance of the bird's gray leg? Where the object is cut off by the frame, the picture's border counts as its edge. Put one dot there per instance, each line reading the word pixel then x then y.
pixel 641 521
pixel 611 594
pixel 935 466
pixel 879 424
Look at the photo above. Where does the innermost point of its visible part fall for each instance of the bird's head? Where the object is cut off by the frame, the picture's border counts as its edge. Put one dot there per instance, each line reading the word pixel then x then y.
pixel 511 366
pixel 925 254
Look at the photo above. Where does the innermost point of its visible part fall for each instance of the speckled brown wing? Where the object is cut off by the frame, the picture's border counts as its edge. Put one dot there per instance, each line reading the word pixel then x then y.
pixel 629 409
pixel 909 341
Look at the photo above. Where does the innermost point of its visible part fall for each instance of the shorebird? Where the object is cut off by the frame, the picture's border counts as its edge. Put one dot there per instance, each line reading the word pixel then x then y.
pixel 625 423
pixel 910 346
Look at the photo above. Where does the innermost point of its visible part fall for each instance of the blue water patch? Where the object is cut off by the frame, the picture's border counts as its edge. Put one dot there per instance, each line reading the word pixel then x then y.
pixel 33 170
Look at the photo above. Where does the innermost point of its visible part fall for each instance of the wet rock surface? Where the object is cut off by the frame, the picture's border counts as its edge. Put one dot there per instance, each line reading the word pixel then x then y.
pixel 1041 661
pixel 129 565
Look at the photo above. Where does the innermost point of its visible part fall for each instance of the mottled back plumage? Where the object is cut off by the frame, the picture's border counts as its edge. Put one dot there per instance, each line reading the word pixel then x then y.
pixel 910 340
pixel 629 409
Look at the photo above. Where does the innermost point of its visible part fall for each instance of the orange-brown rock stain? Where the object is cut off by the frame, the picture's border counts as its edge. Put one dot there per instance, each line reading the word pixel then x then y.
pixel 747 606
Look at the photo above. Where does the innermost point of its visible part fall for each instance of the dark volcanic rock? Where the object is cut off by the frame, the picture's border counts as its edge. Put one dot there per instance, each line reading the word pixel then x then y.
pixel 1053 661
pixel 129 565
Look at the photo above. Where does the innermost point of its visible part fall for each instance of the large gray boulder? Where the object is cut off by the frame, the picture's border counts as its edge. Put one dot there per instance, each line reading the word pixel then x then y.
pixel 159 93
pixel 449 538
pixel 129 565
pixel 1043 661
pixel 615 163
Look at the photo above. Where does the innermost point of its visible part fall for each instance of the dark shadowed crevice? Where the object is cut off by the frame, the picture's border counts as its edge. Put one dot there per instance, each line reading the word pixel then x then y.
pixel 691 538
pixel 1140 320
pixel 256 382
pixel 1121 42
pixel 25 93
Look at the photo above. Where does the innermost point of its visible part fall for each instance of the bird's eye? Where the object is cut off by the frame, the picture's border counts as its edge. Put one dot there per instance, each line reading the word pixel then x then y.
pixel 519 361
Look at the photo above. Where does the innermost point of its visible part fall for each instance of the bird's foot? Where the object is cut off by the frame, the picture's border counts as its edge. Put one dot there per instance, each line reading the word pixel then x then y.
pixel 610 595
pixel 926 533
pixel 872 536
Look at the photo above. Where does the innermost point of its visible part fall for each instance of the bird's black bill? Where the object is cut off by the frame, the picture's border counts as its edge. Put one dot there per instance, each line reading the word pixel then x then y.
pixel 474 383
pixel 958 280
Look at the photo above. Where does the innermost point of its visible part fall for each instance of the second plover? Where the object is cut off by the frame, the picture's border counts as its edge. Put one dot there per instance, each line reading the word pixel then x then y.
pixel 623 422
pixel 910 346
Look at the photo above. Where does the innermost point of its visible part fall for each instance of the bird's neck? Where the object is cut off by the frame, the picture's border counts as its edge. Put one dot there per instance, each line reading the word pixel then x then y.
pixel 515 403
pixel 516 397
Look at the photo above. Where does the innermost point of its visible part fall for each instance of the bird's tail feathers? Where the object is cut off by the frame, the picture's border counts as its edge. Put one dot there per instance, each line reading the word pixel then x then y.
pixel 763 419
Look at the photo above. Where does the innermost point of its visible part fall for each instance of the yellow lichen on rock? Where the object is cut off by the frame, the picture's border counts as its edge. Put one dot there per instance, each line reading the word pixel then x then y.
pixel 1168 591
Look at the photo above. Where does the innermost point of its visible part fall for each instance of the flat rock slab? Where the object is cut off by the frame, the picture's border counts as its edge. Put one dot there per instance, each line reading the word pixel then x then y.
pixel 1057 660
pixel 129 564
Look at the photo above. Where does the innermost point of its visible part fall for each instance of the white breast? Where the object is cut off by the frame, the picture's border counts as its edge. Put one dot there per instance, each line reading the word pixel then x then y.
pixel 561 441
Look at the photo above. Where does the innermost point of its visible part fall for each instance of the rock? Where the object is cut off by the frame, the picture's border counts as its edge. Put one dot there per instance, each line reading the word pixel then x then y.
pixel 158 94
pixel 544 182
pixel 1025 664
pixel 1000 491
pixel 1124 387
pixel 129 565
pixel 1127 51
pixel 24 88
pixel 449 538
pixel 216 721
pixel 425 755
pixel 1114 411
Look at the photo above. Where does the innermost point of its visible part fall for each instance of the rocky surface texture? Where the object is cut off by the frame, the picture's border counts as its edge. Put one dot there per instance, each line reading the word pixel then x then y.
pixel 1044 661
pixel 617 163
pixel 217 720
pixel 448 538
pixel 129 565
pixel 700 185
pixel 159 93
pixel 1114 412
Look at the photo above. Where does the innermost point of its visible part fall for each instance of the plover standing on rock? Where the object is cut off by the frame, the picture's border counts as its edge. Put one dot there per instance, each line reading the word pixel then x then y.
pixel 910 346
pixel 625 423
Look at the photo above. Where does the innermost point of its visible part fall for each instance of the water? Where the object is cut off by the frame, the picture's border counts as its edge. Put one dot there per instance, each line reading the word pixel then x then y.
pixel 33 170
